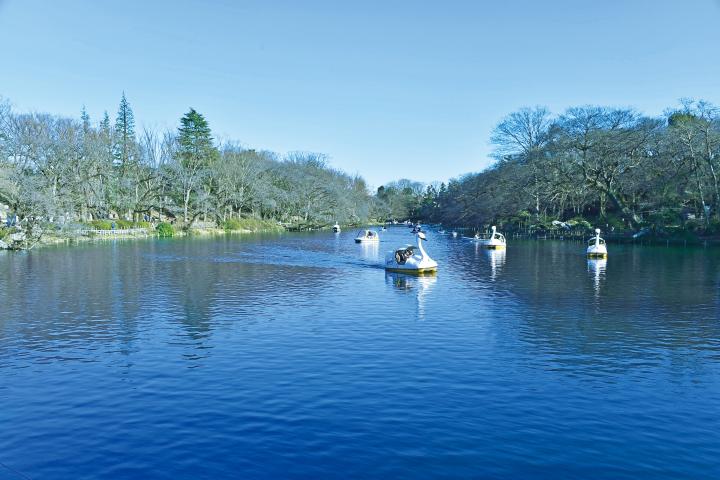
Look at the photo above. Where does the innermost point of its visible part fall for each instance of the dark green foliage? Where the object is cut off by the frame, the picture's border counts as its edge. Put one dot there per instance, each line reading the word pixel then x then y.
pixel 124 151
pixel 607 167
pixel 101 224
pixel 165 230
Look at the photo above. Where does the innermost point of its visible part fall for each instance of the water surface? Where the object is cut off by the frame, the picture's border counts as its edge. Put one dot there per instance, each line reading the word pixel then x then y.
pixel 297 356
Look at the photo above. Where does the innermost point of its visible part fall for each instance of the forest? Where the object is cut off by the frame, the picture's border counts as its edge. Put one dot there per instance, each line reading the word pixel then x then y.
pixel 65 173
pixel 590 165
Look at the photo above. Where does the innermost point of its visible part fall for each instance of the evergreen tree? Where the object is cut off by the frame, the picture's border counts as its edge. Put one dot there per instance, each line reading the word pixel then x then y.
pixel 106 134
pixel 85 118
pixel 196 153
pixel 124 134
pixel 195 139
pixel 105 124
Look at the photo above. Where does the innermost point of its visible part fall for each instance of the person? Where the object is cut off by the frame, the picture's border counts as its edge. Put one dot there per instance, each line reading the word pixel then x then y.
pixel 112 226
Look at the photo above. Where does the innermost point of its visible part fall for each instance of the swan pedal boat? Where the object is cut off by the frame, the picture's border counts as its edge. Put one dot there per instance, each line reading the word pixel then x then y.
pixel 496 240
pixel 596 246
pixel 367 236
pixel 412 259
pixel 336 228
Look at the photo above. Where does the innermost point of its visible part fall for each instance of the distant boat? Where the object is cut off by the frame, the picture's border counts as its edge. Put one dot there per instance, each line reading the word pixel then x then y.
pixel 495 241
pixel 364 236
pixel 411 259
pixel 454 234
pixel 336 228
pixel 596 246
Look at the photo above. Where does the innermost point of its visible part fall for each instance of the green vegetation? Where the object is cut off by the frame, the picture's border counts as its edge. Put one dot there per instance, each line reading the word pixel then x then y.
pixel 250 225
pixel 100 224
pixel 57 171
pixel 588 166
pixel 609 167
pixel 165 230
pixel 107 224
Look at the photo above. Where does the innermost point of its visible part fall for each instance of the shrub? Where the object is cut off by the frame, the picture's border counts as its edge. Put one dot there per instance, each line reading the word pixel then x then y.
pixel 232 224
pixel 101 224
pixel 580 223
pixel 164 229
pixel 713 228
pixel 250 224
pixel 124 224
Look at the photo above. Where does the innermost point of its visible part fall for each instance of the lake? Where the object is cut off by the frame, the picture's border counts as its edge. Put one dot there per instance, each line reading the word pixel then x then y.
pixel 297 356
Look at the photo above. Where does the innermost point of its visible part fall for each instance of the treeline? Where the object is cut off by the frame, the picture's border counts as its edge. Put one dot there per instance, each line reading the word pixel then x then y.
pixel 61 171
pixel 605 166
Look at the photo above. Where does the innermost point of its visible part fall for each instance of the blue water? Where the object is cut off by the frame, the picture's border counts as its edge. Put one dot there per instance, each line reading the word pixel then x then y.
pixel 296 356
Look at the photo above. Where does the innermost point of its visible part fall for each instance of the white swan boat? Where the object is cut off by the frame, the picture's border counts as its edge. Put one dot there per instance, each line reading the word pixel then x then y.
pixel 336 228
pixel 495 240
pixel 367 236
pixel 596 246
pixel 411 259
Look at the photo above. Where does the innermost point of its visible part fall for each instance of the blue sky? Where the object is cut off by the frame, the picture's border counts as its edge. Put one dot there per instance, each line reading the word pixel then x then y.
pixel 386 89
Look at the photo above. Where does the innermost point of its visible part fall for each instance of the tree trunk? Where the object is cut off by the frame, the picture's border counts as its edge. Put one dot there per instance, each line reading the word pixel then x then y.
pixel 185 206
pixel 627 213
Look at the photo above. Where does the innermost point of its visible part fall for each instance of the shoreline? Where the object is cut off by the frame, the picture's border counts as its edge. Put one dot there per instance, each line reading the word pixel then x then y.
pixel 73 238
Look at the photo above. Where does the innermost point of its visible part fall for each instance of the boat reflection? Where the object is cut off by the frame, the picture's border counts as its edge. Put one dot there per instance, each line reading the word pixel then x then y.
pixel 496 258
pixel 421 285
pixel 370 251
pixel 596 268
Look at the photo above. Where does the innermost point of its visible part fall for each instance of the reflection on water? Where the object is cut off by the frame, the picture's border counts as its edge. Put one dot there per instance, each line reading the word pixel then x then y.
pixel 370 251
pixel 297 356
pixel 496 258
pixel 596 267
pixel 417 285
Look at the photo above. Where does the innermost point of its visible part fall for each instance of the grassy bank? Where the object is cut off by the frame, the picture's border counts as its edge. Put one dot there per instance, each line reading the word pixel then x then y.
pixel 102 230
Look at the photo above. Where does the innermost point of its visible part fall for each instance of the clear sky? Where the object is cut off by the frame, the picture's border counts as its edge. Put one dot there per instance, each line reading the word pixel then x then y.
pixel 387 89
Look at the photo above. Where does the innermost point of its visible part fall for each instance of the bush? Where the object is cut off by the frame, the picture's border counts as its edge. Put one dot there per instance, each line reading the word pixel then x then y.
pixel 250 224
pixel 610 222
pixel 580 223
pixel 124 224
pixel 232 224
pixel 713 228
pixel 101 224
pixel 164 229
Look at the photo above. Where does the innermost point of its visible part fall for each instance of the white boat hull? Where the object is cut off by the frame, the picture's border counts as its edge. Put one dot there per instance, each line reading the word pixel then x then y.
pixel 597 251
pixel 413 265
pixel 492 244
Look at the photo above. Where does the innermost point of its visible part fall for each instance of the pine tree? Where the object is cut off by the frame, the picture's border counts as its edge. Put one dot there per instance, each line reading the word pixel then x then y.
pixel 196 152
pixel 85 118
pixel 195 139
pixel 106 134
pixel 105 124
pixel 124 134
